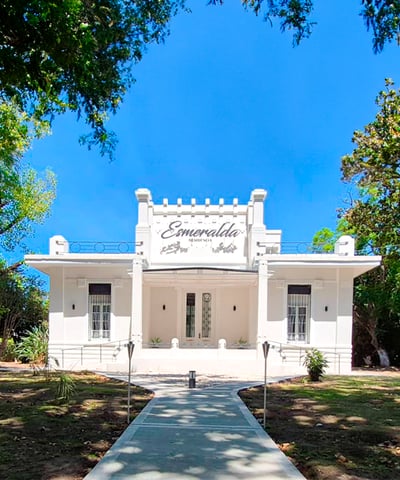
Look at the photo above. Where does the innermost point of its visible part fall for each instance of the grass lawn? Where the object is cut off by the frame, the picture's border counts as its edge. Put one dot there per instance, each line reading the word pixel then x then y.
pixel 345 428
pixel 44 438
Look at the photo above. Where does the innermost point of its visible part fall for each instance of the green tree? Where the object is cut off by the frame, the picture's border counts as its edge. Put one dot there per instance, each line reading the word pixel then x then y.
pixel 23 304
pixel 373 169
pixel 377 314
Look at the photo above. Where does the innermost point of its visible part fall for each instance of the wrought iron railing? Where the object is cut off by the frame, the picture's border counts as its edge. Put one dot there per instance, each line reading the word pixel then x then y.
pixel 267 248
pixel 101 247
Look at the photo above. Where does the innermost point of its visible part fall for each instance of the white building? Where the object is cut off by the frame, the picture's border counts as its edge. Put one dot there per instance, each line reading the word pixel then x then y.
pixel 207 285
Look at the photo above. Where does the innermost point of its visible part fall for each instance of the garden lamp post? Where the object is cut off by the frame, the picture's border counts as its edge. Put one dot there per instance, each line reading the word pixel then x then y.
pixel 131 347
pixel 265 346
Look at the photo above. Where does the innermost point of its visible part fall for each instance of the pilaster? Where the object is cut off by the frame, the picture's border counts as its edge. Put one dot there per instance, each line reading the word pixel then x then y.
pixel 262 302
pixel 136 323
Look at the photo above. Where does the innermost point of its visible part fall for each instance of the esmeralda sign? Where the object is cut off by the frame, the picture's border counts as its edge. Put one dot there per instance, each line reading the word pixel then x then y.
pixel 225 230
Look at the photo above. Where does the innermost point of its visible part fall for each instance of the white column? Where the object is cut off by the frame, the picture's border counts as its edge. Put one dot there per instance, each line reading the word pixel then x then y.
pixel 258 197
pixel 262 312
pixel 136 327
pixel 143 230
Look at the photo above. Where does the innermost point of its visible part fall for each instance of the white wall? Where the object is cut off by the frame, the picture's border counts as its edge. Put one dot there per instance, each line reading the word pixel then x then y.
pixel 325 316
pixel 323 323
pixel 233 324
pixel 162 323
pixel 69 323
pixel 276 321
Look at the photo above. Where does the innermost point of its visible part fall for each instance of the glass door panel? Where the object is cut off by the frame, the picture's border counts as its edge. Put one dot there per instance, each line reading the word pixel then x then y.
pixel 190 315
pixel 198 316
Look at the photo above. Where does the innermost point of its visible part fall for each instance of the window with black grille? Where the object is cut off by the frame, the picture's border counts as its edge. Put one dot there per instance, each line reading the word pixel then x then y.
pixel 298 313
pixel 99 310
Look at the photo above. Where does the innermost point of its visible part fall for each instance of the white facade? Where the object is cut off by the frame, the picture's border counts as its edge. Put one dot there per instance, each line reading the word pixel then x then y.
pixel 207 285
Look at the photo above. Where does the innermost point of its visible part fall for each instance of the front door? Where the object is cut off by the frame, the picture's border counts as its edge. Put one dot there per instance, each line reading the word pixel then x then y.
pixel 198 317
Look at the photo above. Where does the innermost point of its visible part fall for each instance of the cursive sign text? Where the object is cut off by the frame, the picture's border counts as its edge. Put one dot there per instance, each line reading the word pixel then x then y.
pixel 226 230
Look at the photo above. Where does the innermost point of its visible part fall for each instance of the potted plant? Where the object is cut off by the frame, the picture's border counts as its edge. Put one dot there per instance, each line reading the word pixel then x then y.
pixel 242 343
pixel 155 342
pixel 316 363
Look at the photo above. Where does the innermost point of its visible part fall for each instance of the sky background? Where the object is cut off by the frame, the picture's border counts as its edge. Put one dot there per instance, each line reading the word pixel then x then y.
pixel 226 105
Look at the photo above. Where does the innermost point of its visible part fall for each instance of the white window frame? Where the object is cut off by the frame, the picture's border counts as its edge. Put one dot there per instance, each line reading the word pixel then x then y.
pixel 105 309
pixel 299 301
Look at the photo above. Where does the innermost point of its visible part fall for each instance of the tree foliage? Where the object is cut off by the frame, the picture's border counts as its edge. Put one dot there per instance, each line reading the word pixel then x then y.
pixel 17 131
pixel 77 55
pixel 25 197
pixel 382 17
pixel 377 314
pixel 24 203
pixel 373 169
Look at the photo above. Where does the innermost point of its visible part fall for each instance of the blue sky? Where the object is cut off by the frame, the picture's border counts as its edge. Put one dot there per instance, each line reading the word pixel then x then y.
pixel 226 105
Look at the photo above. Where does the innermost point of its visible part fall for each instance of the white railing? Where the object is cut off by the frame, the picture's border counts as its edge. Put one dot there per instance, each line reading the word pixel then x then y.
pixel 98 351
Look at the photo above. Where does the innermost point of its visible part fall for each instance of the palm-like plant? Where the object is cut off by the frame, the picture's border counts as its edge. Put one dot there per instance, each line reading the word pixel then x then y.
pixel 33 346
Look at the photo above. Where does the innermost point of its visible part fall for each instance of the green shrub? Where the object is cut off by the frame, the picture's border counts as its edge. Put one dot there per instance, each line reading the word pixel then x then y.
pixel 9 354
pixel 316 363
pixel 33 347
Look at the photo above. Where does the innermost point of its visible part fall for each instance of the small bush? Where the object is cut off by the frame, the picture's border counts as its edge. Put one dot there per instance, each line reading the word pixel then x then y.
pixel 316 363
pixel 33 347
pixel 65 387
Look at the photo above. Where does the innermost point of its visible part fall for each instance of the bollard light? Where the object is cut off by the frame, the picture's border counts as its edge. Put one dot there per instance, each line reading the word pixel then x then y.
pixel 192 378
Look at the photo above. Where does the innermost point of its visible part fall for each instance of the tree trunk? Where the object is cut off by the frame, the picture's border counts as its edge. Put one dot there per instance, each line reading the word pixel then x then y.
pixel 369 324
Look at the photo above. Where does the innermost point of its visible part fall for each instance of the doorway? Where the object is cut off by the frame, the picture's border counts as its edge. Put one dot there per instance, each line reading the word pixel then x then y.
pixel 198 328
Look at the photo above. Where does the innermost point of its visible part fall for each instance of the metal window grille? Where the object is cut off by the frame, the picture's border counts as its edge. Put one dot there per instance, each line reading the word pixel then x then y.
pixel 298 316
pixel 99 311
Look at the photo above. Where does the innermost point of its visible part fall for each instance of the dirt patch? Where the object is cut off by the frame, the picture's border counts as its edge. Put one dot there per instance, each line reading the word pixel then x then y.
pixel 345 428
pixel 14 365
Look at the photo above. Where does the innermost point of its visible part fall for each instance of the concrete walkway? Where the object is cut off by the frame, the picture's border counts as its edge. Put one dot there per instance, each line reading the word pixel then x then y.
pixel 204 433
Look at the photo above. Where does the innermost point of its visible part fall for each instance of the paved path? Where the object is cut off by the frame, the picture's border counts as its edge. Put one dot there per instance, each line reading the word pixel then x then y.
pixel 205 433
